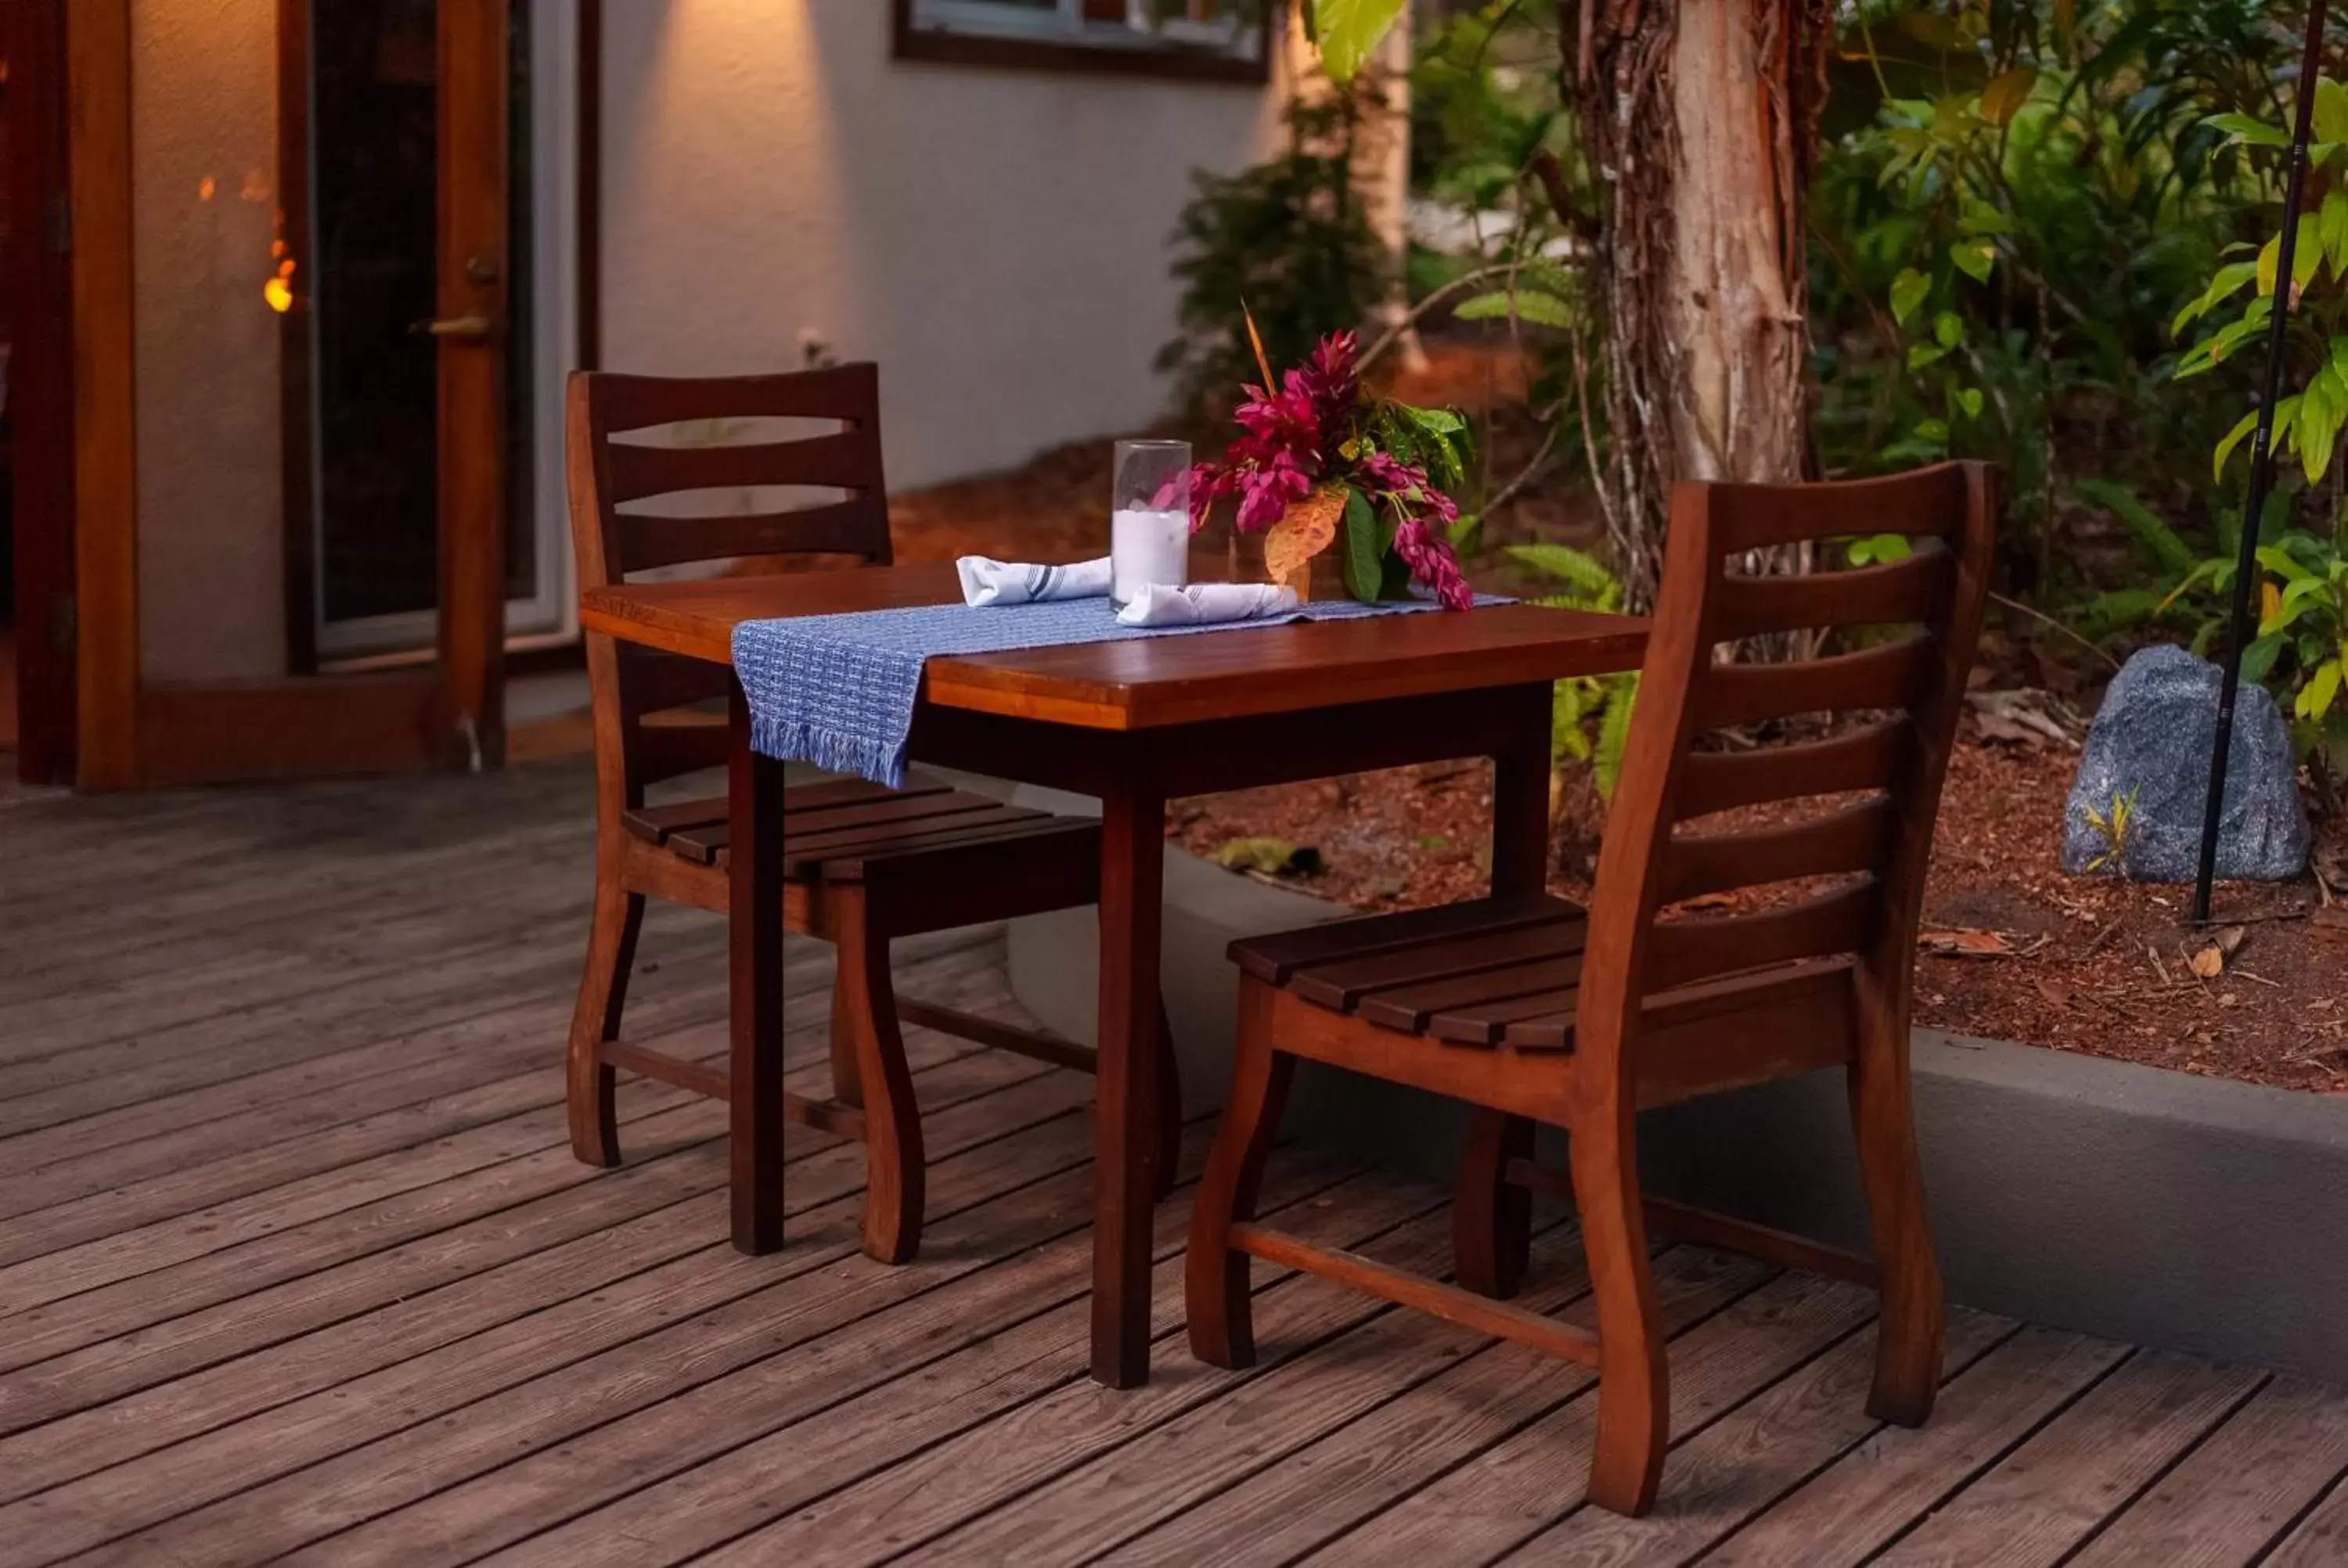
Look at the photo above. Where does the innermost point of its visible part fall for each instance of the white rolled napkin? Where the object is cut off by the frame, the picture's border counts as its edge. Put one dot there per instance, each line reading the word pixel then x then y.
pixel 1205 604
pixel 993 582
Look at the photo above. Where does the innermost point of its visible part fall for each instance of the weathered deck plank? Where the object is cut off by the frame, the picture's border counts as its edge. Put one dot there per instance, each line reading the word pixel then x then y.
pixel 295 1262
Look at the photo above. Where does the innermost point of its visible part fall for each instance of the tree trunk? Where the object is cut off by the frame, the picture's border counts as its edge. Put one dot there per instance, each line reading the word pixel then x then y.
pixel 1699 119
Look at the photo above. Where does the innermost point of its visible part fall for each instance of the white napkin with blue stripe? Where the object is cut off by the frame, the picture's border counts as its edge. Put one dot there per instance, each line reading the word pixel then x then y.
pixel 986 583
pixel 1205 604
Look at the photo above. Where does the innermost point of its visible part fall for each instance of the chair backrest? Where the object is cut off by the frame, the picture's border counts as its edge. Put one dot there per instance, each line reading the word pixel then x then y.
pixel 1906 679
pixel 641 450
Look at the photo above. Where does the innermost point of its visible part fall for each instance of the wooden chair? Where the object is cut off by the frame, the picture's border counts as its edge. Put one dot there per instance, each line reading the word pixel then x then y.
pixel 865 863
pixel 1534 1013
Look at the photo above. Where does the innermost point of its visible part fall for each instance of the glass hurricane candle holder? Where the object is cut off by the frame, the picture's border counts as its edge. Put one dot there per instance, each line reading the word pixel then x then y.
pixel 1150 521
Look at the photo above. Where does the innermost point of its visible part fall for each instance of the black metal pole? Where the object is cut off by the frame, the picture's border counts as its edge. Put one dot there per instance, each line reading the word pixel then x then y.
pixel 2261 462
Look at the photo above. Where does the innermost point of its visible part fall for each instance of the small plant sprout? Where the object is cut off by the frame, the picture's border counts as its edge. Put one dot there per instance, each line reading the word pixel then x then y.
pixel 2114 827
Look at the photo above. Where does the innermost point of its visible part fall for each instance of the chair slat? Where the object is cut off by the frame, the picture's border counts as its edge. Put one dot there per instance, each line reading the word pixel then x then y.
pixel 633 403
pixel 1860 759
pixel 836 528
pixel 1342 986
pixel 1896 594
pixel 843 461
pixel 1411 1008
pixel 1274 957
pixel 1929 504
pixel 1681 952
pixel 1891 675
pixel 1856 838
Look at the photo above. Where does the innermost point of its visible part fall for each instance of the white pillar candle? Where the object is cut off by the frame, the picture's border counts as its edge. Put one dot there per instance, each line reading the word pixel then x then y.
pixel 1147 548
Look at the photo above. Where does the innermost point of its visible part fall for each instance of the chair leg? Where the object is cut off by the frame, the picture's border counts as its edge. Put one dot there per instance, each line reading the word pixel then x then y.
pixel 894 1165
pixel 847 1084
pixel 1169 1105
pixel 1911 1327
pixel 1491 1216
pixel 1634 1389
pixel 1222 1323
pixel 618 915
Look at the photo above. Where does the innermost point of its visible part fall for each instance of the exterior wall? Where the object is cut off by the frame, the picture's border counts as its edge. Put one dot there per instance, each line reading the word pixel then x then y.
pixel 996 239
pixel 204 175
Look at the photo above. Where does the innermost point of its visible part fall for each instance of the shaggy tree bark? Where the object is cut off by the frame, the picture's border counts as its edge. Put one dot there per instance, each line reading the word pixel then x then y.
pixel 1699 118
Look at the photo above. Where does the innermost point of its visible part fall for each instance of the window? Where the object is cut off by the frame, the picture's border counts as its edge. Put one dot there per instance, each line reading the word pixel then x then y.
pixel 1225 39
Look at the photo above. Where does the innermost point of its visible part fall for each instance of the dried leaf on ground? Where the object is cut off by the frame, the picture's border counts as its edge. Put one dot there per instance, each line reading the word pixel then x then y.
pixel 2209 962
pixel 1967 944
pixel 2331 922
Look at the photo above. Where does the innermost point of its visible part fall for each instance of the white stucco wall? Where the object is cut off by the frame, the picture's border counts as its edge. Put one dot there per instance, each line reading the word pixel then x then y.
pixel 996 239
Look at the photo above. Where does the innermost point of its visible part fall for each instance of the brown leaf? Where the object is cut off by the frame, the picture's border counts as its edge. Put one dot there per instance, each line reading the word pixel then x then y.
pixel 2209 962
pixel 2332 921
pixel 2057 993
pixel 1967 944
pixel 1303 531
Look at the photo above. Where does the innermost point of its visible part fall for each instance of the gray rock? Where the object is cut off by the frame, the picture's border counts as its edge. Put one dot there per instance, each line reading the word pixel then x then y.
pixel 2153 736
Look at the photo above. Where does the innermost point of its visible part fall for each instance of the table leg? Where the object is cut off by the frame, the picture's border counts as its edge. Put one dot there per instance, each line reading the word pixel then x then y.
pixel 1491 1217
pixel 1125 1152
pixel 755 987
pixel 1520 799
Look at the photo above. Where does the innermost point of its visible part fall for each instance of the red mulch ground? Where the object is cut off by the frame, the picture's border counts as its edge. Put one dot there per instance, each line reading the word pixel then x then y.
pixel 2082 964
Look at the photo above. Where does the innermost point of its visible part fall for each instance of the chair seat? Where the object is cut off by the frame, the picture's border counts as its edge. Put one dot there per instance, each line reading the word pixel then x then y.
pixel 1502 973
pixel 833 831
pixel 1494 972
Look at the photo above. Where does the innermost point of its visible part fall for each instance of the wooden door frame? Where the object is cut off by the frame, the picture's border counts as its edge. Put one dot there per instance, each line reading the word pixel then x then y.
pixel 41 398
pixel 132 734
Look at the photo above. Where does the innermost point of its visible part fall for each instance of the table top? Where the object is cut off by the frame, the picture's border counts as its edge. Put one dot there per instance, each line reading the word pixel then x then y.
pixel 1147 682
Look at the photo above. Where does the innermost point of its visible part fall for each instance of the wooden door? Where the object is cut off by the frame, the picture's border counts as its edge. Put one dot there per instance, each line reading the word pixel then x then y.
pixel 36 410
pixel 449 712
pixel 475 285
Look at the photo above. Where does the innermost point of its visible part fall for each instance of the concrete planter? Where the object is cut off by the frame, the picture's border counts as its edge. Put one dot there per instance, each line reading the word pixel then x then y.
pixel 2143 1206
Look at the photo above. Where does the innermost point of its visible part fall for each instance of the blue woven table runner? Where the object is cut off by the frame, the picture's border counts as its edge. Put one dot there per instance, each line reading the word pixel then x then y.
pixel 837 691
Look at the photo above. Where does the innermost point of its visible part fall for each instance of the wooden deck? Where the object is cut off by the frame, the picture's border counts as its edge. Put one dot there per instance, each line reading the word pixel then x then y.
pixel 295 1262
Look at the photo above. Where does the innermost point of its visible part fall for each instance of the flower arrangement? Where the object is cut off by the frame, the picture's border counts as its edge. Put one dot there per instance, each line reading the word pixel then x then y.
pixel 1319 459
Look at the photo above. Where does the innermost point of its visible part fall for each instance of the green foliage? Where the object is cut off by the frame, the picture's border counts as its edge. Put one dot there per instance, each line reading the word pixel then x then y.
pixel 1349 32
pixel 1286 238
pixel 1591 722
pixel 2014 197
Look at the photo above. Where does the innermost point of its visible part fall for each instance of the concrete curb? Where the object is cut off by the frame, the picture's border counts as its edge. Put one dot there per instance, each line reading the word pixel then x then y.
pixel 2155 1208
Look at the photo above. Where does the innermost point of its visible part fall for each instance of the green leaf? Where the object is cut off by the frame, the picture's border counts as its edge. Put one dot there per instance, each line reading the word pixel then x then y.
pixel 2002 98
pixel 2233 438
pixel 1969 398
pixel 1590 585
pixel 2258 659
pixel 1974 258
pixel 2270 264
pixel 2281 562
pixel 1525 304
pixel 2244 128
pixel 1366 548
pixel 1920 354
pixel 2331 110
pixel 1350 31
pixel 2322 689
pixel 1907 291
pixel 2229 282
pixel 1434 421
pixel 1980 217
pixel 1948 329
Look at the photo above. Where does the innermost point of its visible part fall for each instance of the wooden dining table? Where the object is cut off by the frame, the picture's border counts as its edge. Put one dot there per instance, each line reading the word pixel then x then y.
pixel 1134 723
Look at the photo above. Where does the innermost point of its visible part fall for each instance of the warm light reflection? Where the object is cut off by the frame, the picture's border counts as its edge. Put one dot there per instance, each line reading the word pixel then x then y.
pixel 279 290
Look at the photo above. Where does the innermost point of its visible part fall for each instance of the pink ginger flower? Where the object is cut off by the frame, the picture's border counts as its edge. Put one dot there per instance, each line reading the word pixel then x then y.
pixel 1428 553
pixel 1330 380
pixel 1268 490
